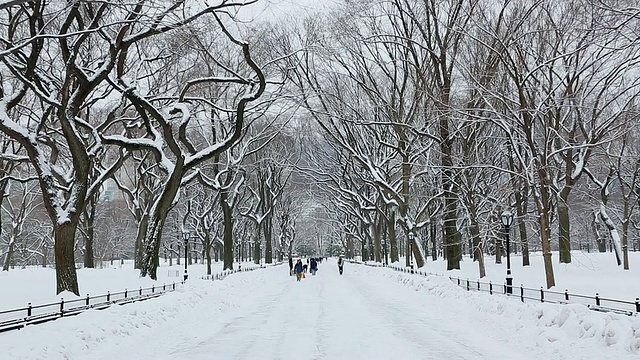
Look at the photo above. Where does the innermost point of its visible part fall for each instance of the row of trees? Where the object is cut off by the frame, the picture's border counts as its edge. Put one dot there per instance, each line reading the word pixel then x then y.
pixel 162 99
pixel 422 118
pixel 442 114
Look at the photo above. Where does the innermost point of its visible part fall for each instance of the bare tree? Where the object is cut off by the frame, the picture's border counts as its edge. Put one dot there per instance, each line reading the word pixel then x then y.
pixel 167 130
pixel 19 207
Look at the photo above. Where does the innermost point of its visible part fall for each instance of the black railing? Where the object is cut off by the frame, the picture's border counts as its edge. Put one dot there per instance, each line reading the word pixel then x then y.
pixel 221 275
pixel 596 303
pixel 14 319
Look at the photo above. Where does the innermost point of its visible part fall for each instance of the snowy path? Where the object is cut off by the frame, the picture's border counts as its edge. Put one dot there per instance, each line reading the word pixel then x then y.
pixel 367 313
pixel 326 316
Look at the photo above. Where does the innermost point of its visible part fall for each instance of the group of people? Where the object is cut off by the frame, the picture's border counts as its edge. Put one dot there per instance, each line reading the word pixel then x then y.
pixel 299 269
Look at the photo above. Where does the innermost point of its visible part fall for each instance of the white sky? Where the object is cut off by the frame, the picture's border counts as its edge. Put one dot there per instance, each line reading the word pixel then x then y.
pixel 284 9
pixel 368 313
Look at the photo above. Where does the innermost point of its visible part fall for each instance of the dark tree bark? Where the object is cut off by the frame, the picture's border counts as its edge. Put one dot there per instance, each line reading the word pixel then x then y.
pixel 391 226
pixel 89 215
pixel 67 279
pixel 227 217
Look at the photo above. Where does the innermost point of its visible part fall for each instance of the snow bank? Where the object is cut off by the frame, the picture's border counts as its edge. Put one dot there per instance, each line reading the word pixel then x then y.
pixel 553 325
pixel 78 336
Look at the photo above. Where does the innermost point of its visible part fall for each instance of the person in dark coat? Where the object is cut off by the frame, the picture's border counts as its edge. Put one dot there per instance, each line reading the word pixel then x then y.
pixel 314 266
pixel 298 270
pixel 340 265
pixel 290 266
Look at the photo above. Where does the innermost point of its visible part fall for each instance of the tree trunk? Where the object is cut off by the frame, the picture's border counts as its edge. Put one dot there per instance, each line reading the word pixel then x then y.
pixel 498 249
pixel 256 244
pixel 564 236
pixel 227 231
pixel 434 240
pixel 404 205
pixel 157 219
pixel 600 240
pixel 451 243
pixel 8 257
pixel 268 234
pixel 138 248
pixel 521 211
pixel 541 200
pixel 407 251
pixel 377 240
pixel 393 241
pixel 625 236
pixel 90 217
pixel 477 247
pixel 452 247
pixel 207 252
pixel 524 242
pixel 88 251
pixel 45 253
pixel 66 277
pixel 151 248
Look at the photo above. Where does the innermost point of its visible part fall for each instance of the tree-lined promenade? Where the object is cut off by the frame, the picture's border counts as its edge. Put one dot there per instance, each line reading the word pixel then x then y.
pixel 376 129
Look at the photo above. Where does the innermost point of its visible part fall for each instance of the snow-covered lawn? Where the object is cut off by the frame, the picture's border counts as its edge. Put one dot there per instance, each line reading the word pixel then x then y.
pixel 38 285
pixel 587 274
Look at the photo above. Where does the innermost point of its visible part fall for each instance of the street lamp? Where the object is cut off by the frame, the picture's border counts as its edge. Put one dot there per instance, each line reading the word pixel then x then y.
pixel 185 237
pixel 507 220
pixel 411 250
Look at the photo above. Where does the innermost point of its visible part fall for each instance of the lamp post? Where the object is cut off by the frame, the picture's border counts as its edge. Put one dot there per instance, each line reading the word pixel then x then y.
pixel 411 250
pixel 185 237
pixel 507 219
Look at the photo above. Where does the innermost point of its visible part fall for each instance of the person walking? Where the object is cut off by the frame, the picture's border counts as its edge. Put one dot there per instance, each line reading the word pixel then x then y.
pixel 298 270
pixel 314 266
pixel 340 265
pixel 290 266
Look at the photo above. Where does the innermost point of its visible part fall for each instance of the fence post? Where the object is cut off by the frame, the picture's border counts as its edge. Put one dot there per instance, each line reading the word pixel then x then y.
pixel 108 296
pixel 29 308
pixel 61 307
pixel 637 304
pixel 597 299
pixel 521 293
pixel 490 288
pixel 87 300
pixel 541 294
pixel 566 294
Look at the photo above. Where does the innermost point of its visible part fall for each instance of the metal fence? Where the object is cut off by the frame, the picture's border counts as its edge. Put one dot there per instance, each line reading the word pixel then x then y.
pixel 596 303
pixel 221 275
pixel 14 319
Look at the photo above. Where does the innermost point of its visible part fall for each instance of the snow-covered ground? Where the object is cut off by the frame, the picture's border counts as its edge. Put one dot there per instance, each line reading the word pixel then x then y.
pixel 587 274
pixel 367 313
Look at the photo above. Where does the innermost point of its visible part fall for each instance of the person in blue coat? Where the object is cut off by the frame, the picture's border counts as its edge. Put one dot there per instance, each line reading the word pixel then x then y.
pixel 298 269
